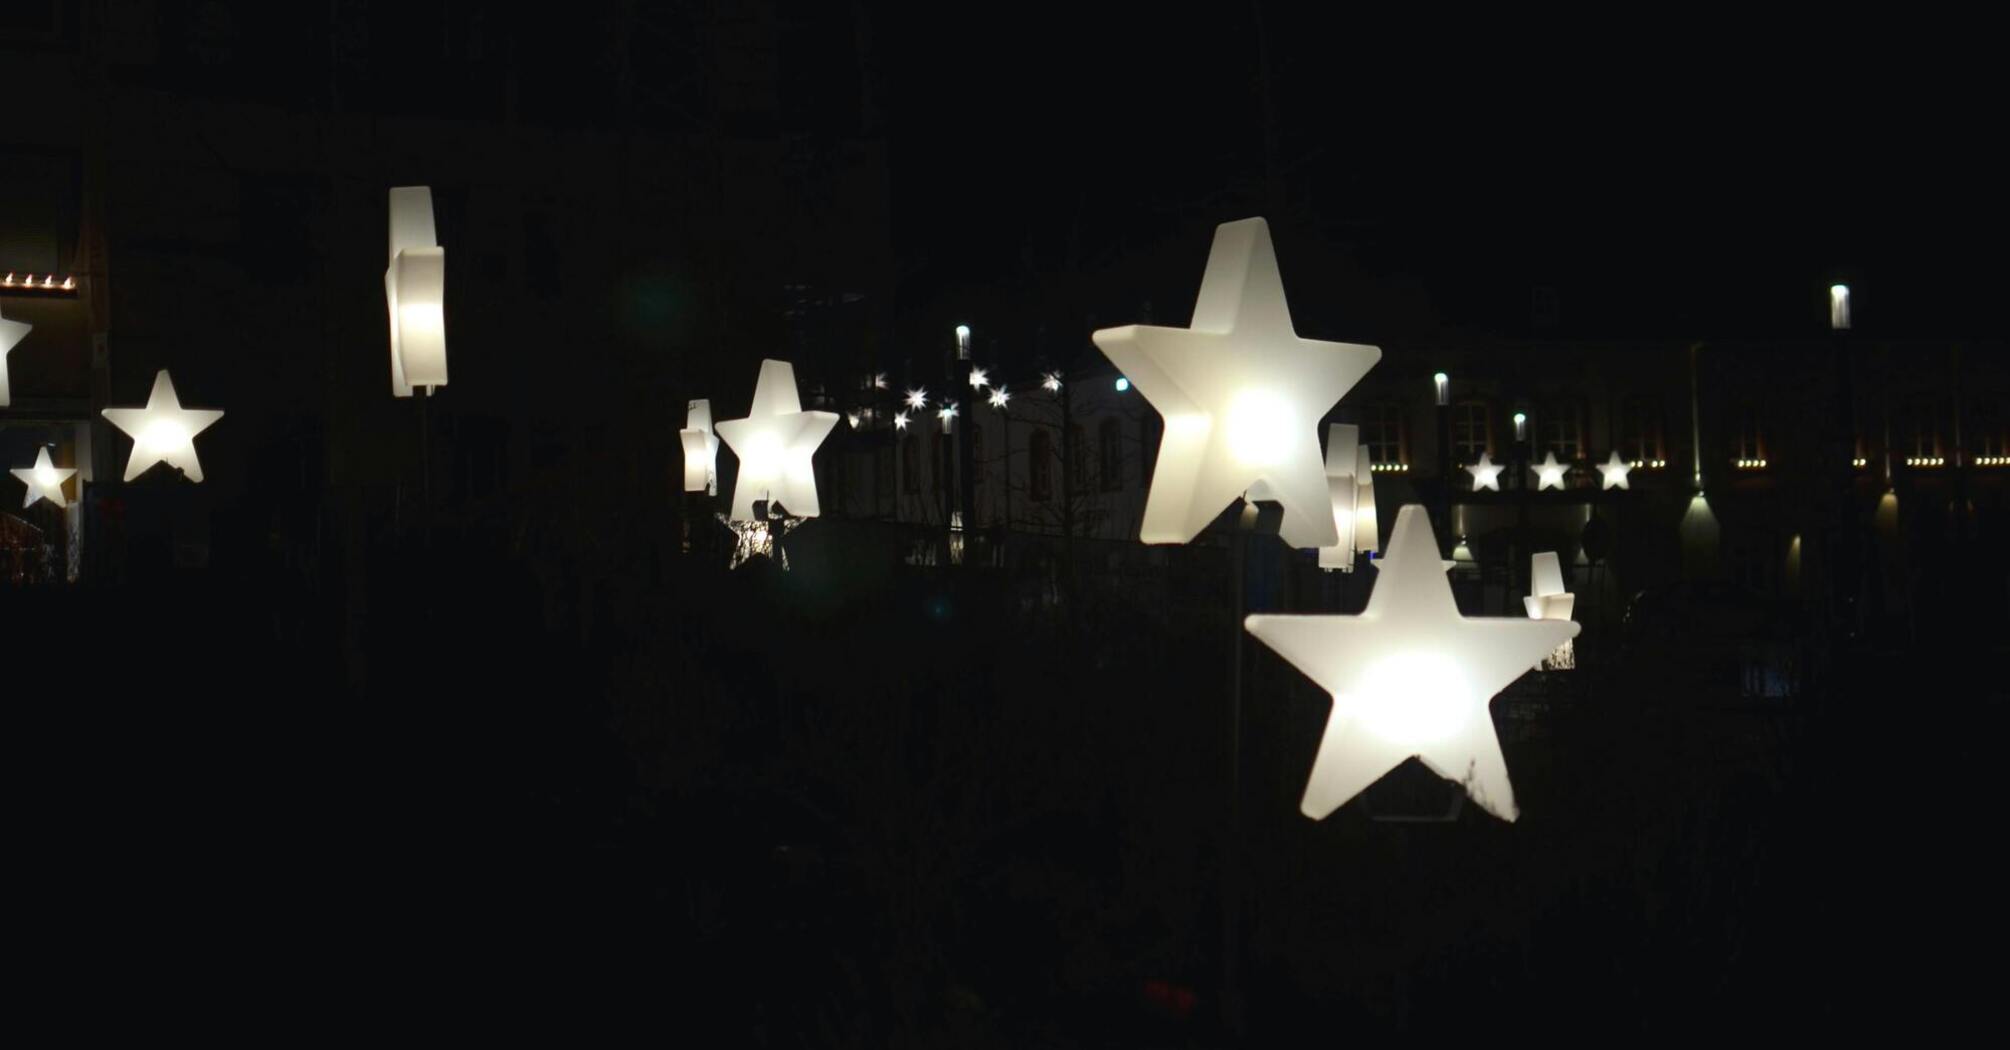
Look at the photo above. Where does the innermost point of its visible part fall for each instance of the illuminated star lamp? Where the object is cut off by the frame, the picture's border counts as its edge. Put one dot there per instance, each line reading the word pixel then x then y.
pixel 44 479
pixel 1343 444
pixel 775 443
pixel 1367 529
pixel 1612 473
pixel 11 334
pixel 1241 394
pixel 1549 473
pixel 701 448
pixel 1410 677
pixel 1486 473
pixel 1547 600
pixel 415 287
pixel 163 431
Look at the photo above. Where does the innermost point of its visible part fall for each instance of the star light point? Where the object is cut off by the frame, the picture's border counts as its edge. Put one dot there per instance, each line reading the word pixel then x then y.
pixel 1486 473
pixel 775 443
pixel 163 431
pixel 44 480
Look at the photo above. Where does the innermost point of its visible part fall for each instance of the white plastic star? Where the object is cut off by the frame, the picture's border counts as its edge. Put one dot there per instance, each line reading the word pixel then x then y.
pixel 1549 473
pixel 1486 473
pixel 917 398
pixel 900 421
pixel 44 479
pixel 999 397
pixel 1410 677
pixel 1242 395
pixel 163 431
pixel 979 378
pixel 1612 473
pixel 11 334
pixel 775 444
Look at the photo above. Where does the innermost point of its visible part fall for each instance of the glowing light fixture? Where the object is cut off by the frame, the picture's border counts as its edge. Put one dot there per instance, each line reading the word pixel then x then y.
pixel 775 444
pixel 1839 307
pixel 1549 473
pixel 851 420
pixel 917 398
pixel 1441 385
pixel 946 413
pixel 1521 426
pixel 1486 473
pixel 701 448
pixel 1410 677
pixel 1050 381
pixel 1612 473
pixel 415 288
pixel 900 421
pixel 1343 443
pixel 44 480
pixel 1241 394
pixel 759 537
pixel 963 344
pixel 999 398
pixel 11 334
pixel 163 431
pixel 979 378
pixel 1367 528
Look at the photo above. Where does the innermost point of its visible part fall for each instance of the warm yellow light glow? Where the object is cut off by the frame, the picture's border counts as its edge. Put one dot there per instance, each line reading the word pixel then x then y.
pixel 163 431
pixel 1411 697
pixel 1260 387
pixel 44 480
pixel 900 421
pixel 1441 386
pixel 701 448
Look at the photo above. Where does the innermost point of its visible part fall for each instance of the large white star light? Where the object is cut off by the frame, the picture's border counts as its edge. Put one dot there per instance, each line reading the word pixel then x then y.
pixel 775 444
pixel 44 479
pixel 415 288
pixel 1486 473
pixel 1410 677
pixel 163 431
pixel 1612 473
pixel 701 448
pixel 1242 396
pixel 1549 473
pixel 11 334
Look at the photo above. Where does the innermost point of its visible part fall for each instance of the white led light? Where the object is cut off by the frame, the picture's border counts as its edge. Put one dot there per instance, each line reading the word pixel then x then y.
pixel 1612 473
pixel 775 444
pixel 163 431
pixel 44 480
pixel 1486 473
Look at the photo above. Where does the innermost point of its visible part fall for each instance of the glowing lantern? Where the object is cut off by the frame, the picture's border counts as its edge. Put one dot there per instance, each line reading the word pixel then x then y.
pixel 1343 444
pixel 1612 473
pixel 415 287
pixel 1410 677
pixel 1549 473
pixel 163 431
pixel 775 443
pixel 701 448
pixel 1486 473
pixel 44 480
pixel 11 334
pixel 1242 395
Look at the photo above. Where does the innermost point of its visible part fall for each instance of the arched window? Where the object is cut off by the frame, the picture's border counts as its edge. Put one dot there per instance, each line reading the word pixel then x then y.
pixel 1040 466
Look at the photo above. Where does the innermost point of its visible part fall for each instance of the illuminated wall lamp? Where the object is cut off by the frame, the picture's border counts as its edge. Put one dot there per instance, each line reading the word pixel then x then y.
pixel 26 282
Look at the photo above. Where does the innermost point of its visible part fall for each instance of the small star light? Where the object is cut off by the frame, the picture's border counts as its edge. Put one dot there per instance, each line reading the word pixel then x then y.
pixel 760 536
pixel 163 431
pixel 1410 677
pixel 11 334
pixel 701 449
pixel 44 479
pixel 917 398
pixel 415 288
pixel 1547 600
pixel 1242 394
pixel 1612 472
pixel 851 420
pixel 979 378
pixel 879 380
pixel 775 444
pixel 1549 473
pixel 1051 382
pixel 1343 444
pixel 1486 473
pixel 900 421
pixel 999 397
pixel 946 413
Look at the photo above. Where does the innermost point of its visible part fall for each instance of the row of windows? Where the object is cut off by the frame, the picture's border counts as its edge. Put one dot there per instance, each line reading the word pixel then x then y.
pixel 1557 428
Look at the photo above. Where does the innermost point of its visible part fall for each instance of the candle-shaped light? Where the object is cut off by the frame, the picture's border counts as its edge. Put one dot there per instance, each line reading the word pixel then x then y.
pixel 1839 307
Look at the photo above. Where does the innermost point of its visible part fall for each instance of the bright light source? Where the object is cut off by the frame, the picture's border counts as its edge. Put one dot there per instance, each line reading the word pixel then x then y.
pixel 963 333
pixel 1521 426
pixel 1612 473
pixel 999 397
pixel 1409 677
pixel 917 398
pixel 1123 384
pixel 11 334
pixel 1549 473
pixel 701 448
pixel 415 289
pixel 1256 387
pixel 1839 307
pixel 1442 385
pixel 900 421
pixel 1051 381
pixel 163 431
pixel 44 480
pixel 1343 444
pixel 978 378
pixel 775 445
pixel 1486 473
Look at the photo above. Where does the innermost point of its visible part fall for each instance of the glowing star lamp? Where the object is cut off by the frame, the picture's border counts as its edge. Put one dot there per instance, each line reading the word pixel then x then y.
pixel 163 431
pixel 1486 473
pixel 775 443
pixel 1549 473
pixel 44 480
pixel 1343 446
pixel 415 287
pixel 701 448
pixel 1242 395
pixel 1612 473
pixel 11 334
pixel 1410 677
pixel 1367 529
pixel 1547 600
